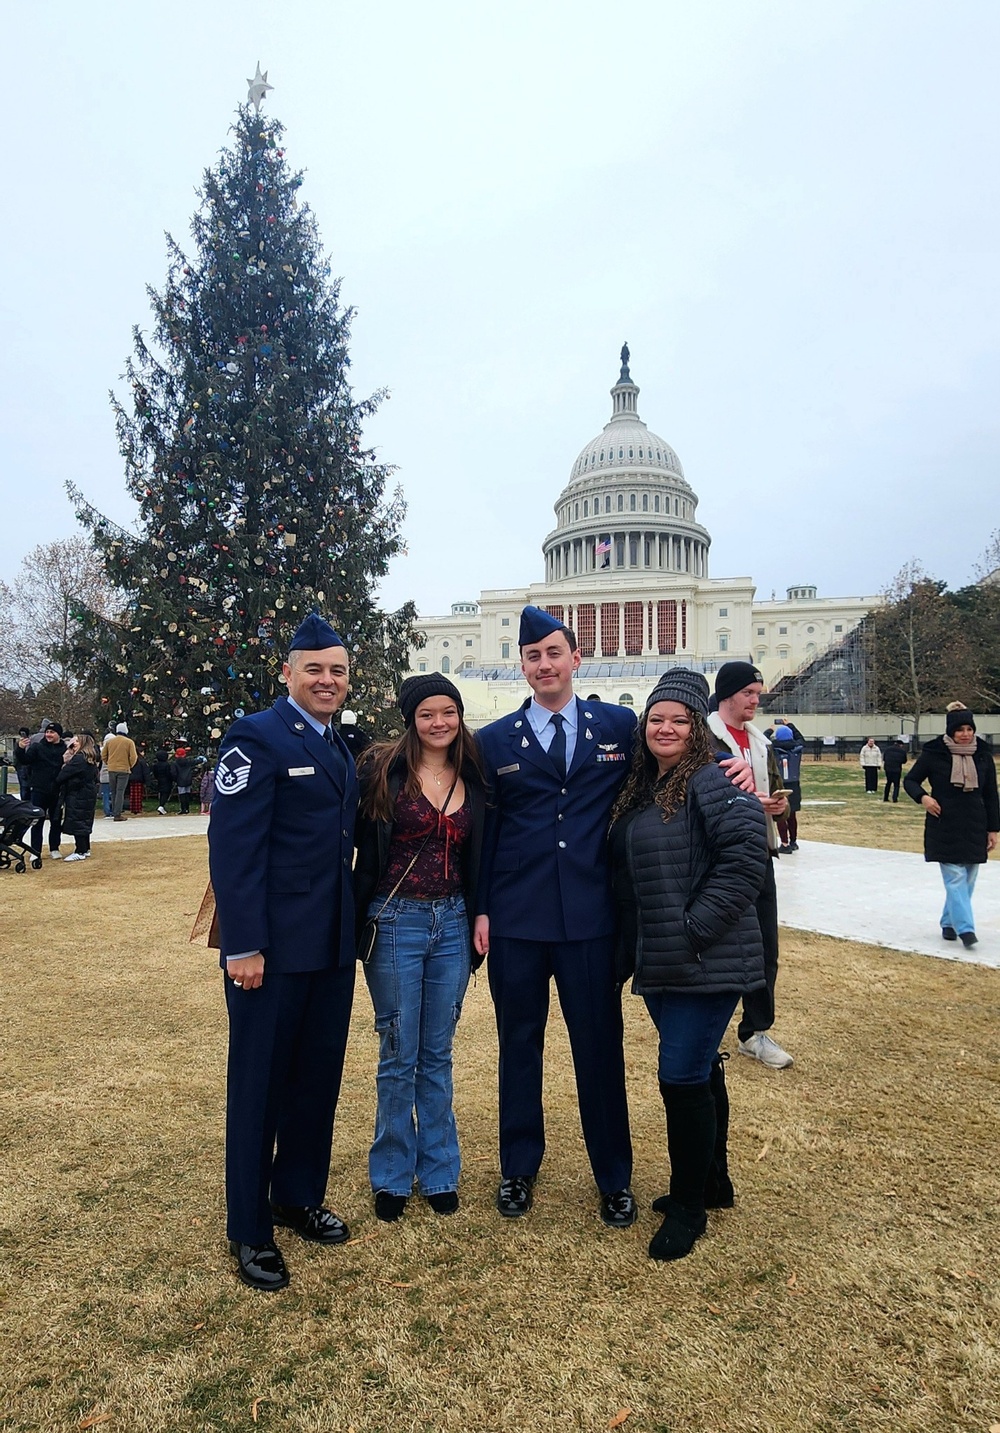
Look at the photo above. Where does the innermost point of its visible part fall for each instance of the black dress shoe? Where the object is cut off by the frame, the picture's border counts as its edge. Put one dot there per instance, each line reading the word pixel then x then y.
pixel 444 1203
pixel 260 1265
pixel 319 1225
pixel 514 1196
pixel 949 932
pixel 968 939
pixel 619 1210
pixel 389 1207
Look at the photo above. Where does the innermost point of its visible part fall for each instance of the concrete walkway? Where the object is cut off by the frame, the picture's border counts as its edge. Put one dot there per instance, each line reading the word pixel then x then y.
pixel 146 828
pixel 890 898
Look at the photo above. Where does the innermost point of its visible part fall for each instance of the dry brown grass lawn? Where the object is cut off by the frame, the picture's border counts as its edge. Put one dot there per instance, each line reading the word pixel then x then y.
pixel 854 1287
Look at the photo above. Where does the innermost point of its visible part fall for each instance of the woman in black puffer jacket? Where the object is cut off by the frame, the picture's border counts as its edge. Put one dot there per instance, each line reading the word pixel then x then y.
pixel 78 783
pixel 689 853
pixel 963 814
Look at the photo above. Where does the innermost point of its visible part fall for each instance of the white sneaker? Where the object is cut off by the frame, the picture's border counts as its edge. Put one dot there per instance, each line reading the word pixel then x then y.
pixel 761 1047
pixel 56 855
pixel 161 810
pixel 76 856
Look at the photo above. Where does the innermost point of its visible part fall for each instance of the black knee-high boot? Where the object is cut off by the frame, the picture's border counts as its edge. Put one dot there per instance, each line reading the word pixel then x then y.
pixel 691 1144
pixel 719 1193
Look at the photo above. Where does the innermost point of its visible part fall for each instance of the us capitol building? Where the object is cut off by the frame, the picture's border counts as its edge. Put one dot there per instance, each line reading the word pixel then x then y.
pixel 626 566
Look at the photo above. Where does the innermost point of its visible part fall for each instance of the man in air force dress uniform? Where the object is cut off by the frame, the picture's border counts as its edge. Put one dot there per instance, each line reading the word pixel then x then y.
pixel 544 909
pixel 281 844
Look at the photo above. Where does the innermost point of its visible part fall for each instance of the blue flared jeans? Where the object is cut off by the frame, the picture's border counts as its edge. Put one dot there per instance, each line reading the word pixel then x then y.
pixel 417 978
pixel 959 883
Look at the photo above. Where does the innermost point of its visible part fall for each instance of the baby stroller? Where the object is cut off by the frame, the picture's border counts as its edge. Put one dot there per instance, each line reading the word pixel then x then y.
pixel 15 818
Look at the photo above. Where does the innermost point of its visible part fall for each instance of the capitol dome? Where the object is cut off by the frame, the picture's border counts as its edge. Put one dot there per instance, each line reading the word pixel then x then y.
pixel 627 504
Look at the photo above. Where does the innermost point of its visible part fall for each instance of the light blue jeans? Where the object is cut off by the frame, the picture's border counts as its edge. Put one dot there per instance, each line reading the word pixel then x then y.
pixel 417 978
pixel 959 883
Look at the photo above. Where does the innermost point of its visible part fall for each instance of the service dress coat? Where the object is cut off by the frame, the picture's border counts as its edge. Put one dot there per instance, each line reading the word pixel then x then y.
pixel 281 843
pixel 545 871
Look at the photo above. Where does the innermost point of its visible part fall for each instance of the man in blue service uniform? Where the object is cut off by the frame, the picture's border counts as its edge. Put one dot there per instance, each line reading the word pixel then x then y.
pixel 545 909
pixel 280 845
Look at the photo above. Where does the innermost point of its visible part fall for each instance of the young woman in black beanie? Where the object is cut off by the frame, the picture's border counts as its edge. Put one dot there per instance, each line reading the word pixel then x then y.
pixel 963 814
pixel 419 837
pixel 688 853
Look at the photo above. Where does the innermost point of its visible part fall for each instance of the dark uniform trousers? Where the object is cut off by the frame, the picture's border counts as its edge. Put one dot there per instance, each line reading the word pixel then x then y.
pixel 520 972
pixel 758 1005
pixel 286 1056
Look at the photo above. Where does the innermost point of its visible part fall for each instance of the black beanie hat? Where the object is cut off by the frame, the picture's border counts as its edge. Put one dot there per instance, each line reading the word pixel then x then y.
pixel 732 677
pixel 681 685
pixel 417 689
pixel 958 717
pixel 55 726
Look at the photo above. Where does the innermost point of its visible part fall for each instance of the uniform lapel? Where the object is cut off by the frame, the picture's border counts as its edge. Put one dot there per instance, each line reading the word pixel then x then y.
pixel 524 743
pixel 588 732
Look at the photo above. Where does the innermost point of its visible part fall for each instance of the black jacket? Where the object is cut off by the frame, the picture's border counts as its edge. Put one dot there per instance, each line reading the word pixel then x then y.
pixel 372 839
pixel 685 890
pixel 139 774
pixel 44 761
pixel 78 785
pixel 894 758
pixel 164 773
pixel 958 836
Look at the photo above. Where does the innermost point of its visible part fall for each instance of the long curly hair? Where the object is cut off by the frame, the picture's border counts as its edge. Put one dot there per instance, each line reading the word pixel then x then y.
pixel 645 787
pixel 377 761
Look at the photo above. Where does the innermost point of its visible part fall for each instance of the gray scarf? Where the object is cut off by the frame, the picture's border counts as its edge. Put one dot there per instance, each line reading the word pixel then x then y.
pixel 963 765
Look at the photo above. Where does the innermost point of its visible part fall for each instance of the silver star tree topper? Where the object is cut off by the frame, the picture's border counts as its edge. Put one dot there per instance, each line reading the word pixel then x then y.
pixel 258 88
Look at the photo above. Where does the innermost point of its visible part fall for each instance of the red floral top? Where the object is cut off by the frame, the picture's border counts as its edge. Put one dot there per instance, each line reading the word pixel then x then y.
pixel 437 871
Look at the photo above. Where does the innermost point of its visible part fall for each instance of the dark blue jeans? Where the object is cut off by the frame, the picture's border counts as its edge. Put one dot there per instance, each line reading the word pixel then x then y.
pixel 690 1028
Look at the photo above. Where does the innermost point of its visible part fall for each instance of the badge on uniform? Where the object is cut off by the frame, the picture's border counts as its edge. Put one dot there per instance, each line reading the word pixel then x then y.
pixel 232 772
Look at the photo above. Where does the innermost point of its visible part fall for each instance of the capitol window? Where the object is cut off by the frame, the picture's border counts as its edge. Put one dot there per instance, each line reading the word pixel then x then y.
pixel 446 643
pixel 782 654
pixel 576 511
pixel 631 453
pixel 645 502
pixel 723 641
pixel 468 641
pixel 631 502
pixel 782 631
pixel 505 649
pixel 621 502
pixel 445 665
pixel 504 621
pixel 607 504
pixel 760 631
pixel 421 666
pixel 838 628
pixel 723 611
pixel 626 700
pixel 621 452
pixel 586 507
pixel 656 503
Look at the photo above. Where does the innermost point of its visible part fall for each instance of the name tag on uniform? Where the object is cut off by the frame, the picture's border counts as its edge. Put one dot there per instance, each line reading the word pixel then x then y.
pixel 506 770
pixel 302 771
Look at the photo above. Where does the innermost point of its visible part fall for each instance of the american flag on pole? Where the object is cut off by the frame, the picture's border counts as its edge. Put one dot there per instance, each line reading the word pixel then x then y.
pixel 603 549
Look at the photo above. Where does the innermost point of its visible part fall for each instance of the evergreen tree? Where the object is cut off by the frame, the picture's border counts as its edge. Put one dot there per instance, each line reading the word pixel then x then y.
pixel 243 449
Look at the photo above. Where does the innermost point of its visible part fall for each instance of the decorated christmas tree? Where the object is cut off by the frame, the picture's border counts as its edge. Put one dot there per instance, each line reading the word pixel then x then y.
pixel 243 448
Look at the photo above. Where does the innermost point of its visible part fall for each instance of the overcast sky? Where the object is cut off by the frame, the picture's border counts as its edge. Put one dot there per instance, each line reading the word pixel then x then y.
pixel 789 209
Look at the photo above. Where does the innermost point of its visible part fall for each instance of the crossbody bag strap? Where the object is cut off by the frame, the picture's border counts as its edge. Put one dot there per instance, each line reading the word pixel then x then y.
pixel 417 854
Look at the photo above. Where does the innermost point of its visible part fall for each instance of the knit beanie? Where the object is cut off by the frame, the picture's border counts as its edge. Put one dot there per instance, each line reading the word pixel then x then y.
pixel 681 685
pixel 122 729
pixel 57 728
pixel 732 677
pixel 959 716
pixel 783 733
pixel 417 689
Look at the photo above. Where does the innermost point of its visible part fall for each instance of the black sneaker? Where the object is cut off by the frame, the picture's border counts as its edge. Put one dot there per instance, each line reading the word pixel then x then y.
pixel 949 932
pixel 619 1210
pixel 968 939
pixel 514 1196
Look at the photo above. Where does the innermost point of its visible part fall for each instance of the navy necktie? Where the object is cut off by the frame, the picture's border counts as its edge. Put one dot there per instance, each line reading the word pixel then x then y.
pixel 328 735
pixel 557 750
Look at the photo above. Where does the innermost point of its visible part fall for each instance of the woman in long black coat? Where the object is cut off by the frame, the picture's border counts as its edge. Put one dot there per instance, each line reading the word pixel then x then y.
pixel 962 824
pixel 77 783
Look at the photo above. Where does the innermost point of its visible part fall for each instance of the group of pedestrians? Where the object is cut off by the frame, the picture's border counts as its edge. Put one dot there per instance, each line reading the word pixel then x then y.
pixel 873 759
pixel 565 842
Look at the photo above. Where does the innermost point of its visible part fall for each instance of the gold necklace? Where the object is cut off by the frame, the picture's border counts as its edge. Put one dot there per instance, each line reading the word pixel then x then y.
pixel 431 769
